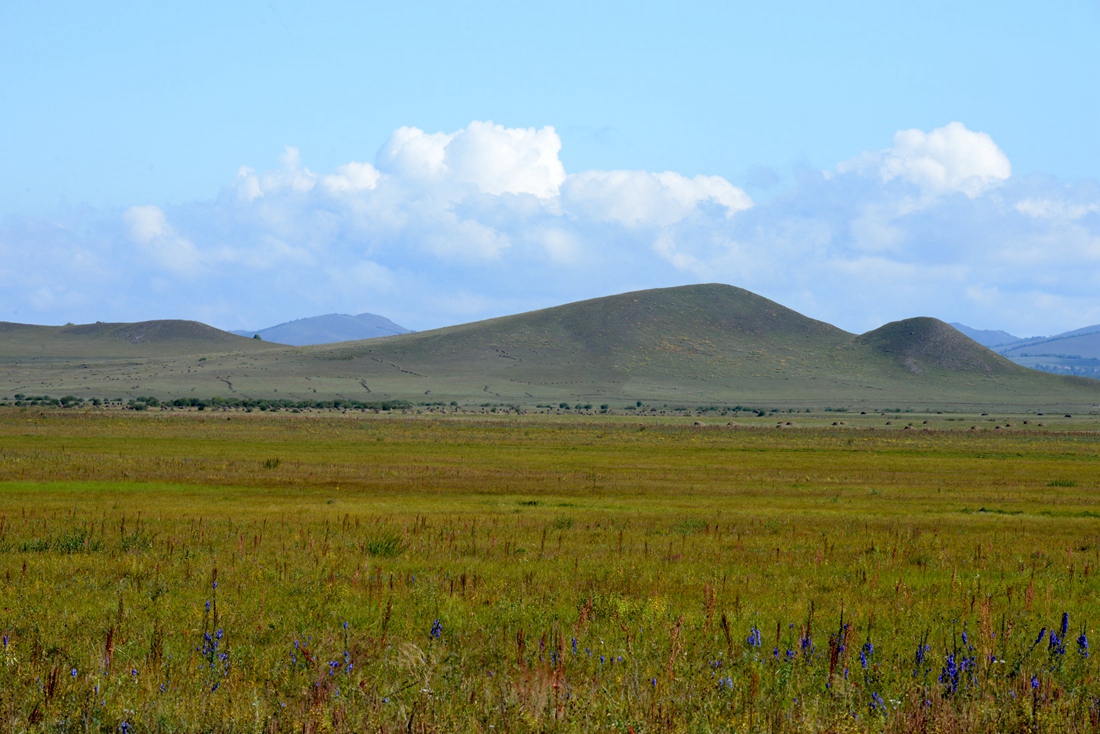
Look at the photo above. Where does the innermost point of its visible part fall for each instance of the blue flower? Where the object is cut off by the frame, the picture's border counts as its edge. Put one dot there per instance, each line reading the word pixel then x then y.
pixel 949 676
pixel 437 629
pixel 865 653
pixel 1083 644
pixel 1065 625
pixel 74 672
pixel 753 638
pixel 1034 681
pixel 877 704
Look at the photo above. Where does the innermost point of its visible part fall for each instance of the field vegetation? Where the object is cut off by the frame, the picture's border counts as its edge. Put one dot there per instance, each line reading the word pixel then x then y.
pixel 223 570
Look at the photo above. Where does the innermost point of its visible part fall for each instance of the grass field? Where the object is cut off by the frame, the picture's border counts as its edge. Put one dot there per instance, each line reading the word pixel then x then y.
pixel 232 571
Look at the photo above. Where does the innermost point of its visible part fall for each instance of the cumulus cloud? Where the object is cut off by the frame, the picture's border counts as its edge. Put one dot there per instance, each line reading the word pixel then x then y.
pixel 642 199
pixel 444 227
pixel 149 229
pixel 493 159
pixel 948 159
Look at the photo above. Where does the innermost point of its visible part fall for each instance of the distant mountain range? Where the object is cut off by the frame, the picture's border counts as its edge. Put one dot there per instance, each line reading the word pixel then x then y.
pixel 691 345
pixel 328 329
pixel 1074 352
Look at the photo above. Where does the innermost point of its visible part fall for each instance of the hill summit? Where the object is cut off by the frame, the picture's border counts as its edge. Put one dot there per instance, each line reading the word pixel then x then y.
pixel 922 343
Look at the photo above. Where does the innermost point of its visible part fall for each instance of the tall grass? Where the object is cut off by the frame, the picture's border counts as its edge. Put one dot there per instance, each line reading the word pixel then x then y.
pixel 426 575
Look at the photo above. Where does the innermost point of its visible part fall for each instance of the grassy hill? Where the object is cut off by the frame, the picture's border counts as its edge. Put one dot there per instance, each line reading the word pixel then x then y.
pixel 693 345
pixel 99 340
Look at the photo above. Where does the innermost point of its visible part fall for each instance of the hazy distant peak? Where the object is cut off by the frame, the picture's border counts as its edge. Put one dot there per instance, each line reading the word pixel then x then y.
pixel 988 337
pixel 328 329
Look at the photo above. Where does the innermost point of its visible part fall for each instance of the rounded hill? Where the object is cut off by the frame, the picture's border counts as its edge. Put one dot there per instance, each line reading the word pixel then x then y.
pixel 922 344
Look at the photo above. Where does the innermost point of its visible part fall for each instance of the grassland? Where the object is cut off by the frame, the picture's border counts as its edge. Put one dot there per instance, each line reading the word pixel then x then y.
pixel 693 345
pixel 232 571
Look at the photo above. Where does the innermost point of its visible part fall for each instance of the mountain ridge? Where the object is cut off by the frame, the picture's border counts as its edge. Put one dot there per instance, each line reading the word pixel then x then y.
pixel 695 344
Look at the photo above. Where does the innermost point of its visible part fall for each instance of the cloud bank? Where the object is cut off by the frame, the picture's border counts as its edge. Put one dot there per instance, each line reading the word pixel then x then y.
pixel 441 228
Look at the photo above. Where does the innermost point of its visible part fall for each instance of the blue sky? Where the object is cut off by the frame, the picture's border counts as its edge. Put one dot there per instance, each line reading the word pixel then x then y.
pixel 632 145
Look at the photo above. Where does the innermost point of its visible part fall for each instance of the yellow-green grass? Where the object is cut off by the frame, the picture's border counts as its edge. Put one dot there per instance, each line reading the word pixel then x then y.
pixel 520 534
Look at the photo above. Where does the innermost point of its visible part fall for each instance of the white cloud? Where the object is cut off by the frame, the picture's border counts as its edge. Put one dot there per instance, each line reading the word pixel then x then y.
pixel 352 177
pixel 447 227
pixel 640 198
pixel 948 159
pixel 149 229
pixel 494 159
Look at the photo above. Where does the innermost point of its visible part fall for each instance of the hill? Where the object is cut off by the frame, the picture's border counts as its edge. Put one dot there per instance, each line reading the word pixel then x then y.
pixel 921 344
pixel 328 329
pixel 162 338
pixel 1075 352
pixel 694 345
pixel 986 337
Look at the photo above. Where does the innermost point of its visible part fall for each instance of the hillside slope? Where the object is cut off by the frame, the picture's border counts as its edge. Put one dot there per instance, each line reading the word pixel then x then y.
pixel 701 344
pixel 153 339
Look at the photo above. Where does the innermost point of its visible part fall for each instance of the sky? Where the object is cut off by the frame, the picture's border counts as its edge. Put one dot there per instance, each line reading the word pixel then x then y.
pixel 250 163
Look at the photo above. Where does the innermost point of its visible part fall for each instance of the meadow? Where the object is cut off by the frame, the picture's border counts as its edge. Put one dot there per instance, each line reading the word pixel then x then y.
pixel 184 571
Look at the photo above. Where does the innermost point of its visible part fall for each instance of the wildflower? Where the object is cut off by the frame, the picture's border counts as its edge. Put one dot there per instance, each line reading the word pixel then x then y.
pixel 437 629
pixel 1034 682
pixel 133 671
pixel 5 640
pixel 574 645
pixel 654 682
pixel 124 727
pixel 949 676
pixel 1065 625
pixel 215 585
pixel 877 704
pixel 208 605
pixel 865 653
pixel 215 686
pixel 1083 644
pixel 345 625
pixel 1042 634
pixel 74 672
pixel 754 638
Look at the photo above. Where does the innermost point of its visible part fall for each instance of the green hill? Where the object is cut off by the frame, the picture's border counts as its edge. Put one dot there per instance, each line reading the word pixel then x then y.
pixel 99 340
pixel 692 345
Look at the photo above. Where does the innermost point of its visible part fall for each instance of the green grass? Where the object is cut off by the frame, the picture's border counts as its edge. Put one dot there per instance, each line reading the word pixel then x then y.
pixel 661 552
